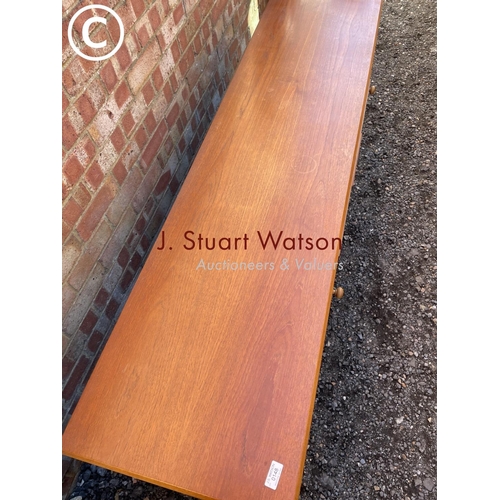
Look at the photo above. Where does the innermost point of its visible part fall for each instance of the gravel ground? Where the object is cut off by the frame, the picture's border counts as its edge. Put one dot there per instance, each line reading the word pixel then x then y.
pixel 373 433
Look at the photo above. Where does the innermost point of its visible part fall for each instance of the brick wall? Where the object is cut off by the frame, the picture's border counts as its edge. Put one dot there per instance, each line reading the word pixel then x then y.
pixel 131 126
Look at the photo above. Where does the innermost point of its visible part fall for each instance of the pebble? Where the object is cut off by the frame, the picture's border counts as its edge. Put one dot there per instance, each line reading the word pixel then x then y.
pixel 429 483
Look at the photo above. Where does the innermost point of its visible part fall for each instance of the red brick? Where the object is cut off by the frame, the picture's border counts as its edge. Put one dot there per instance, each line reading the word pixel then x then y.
pixel 243 9
pixel 172 116
pixel 217 10
pixel 157 79
pixel 143 36
pixel 173 83
pixel 122 94
pixel 69 134
pixel 166 6
pixel 127 14
pixel 94 176
pixel 123 258
pixel 120 172
pixel 118 139
pixel 112 308
pixel 80 20
pixel 85 108
pixel 176 53
pixel 233 48
pixel 182 145
pixel 162 183
pixel 95 341
pixel 195 142
pixel 69 82
pixel 192 102
pixel 101 298
pixel 126 280
pixel 141 137
pixel 197 44
pixel 65 102
pixel 206 31
pixel 186 62
pixel 150 122
pixel 197 17
pixel 88 146
pixel 71 212
pixel 205 6
pixel 123 57
pixel 128 123
pixel 75 378
pixel 154 144
pixel 89 67
pixel 183 66
pixel 66 230
pixel 108 76
pixel 95 211
pixel 138 6
pixel 88 323
pixel 136 261
pixel 183 120
pixel 73 170
pixel 178 13
pixel 140 225
pixel 145 243
pixel 168 146
pixel 154 18
pixel 148 92
pixel 167 92
pixel 183 40
pixel 82 195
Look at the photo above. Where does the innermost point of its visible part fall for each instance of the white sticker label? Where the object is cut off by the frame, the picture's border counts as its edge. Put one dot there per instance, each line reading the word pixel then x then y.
pixel 273 476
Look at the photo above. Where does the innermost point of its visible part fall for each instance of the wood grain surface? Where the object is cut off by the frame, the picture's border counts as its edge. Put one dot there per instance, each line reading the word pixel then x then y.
pixel 210 375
